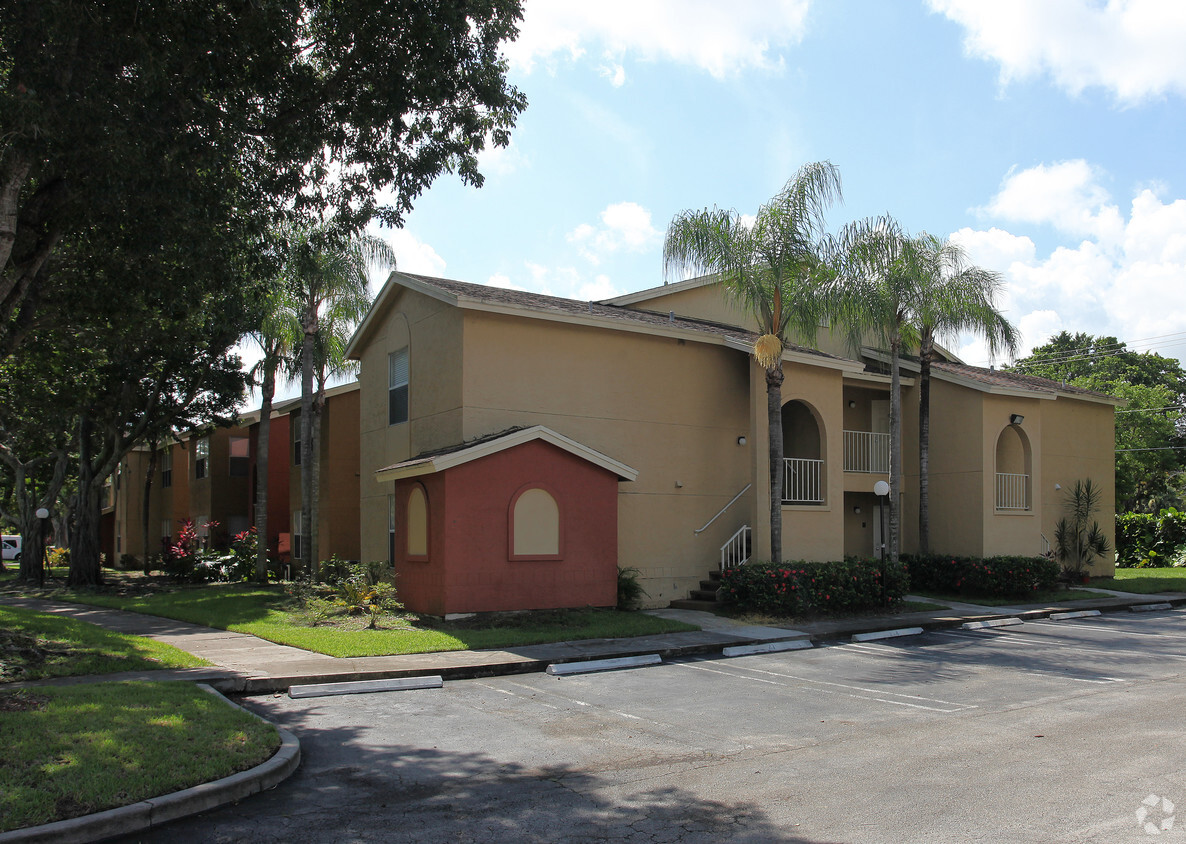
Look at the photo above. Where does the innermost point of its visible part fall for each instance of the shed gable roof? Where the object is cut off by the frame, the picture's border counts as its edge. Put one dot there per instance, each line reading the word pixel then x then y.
pixel 445 458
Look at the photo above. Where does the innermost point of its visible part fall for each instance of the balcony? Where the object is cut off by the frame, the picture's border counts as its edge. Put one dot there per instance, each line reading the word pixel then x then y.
pixel 866 452
pixel 1013 491
pixel 802 481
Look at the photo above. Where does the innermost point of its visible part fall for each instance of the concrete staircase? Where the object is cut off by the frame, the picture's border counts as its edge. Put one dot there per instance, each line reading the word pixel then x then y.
pixel 704 598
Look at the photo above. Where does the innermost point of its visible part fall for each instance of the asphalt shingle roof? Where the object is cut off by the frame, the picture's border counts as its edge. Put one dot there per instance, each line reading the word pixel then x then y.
pixel 1001 378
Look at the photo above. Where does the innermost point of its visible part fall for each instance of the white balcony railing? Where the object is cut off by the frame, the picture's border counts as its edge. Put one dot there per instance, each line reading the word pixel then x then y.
pixel 801 481
pixel 865 451
pixel 1013 491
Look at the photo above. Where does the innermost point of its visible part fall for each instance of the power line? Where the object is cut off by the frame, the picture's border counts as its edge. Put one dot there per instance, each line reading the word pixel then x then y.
pixel 1152 409
pixel 1163 448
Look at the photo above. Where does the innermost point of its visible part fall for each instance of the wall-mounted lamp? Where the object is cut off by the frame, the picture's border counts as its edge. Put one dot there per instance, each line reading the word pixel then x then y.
pixel 852 404
pixel 741 440
pixel 1016 419
pixel 856 510
pixel 1057 487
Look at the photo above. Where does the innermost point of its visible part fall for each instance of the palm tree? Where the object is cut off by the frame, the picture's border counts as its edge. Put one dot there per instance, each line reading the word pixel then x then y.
pixel 1076 542
pixel 877 291
pixel 953 297
pixel 328 283
pixel 773 268
pixel 276 336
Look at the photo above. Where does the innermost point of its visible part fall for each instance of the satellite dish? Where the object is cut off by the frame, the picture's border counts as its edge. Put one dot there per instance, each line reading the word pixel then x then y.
pixel 881 488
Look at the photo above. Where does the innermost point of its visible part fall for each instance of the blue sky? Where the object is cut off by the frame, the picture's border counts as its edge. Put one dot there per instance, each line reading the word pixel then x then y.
pixel 1046 138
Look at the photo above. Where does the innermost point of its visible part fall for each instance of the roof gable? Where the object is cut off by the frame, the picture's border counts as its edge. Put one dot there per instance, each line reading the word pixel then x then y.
pixel 442 459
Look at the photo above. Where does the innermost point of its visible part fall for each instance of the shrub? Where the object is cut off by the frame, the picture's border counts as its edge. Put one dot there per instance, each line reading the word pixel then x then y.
pixel 1147 541
pixel 800 588
pixel 991 576
pixel 630 591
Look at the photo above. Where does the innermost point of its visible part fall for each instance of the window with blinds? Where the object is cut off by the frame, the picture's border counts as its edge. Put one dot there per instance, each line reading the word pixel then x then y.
pixel 397 387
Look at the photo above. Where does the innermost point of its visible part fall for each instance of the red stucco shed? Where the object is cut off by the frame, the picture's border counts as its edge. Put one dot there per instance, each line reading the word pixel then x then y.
pixel 522 520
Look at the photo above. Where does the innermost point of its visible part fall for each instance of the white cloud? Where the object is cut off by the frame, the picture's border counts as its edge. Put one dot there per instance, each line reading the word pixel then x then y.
pixel 625 226
pixel 412 254
pixel 1132 48
pixel 614 72
pixel 1065 195
pixel 1125 279
pixel 720 38
pixel 503 281
pixel 568 282
pixel 501 161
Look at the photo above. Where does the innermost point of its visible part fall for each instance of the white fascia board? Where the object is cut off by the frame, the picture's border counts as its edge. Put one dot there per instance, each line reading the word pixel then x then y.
pixel 879 379
pixel 537 432
pixel 594 321
pixel 662 290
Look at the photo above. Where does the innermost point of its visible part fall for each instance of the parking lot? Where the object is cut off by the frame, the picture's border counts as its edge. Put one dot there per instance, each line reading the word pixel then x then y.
pixel 1044 731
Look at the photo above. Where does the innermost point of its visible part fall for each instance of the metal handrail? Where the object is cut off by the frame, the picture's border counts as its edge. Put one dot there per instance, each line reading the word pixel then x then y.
pixel 723 509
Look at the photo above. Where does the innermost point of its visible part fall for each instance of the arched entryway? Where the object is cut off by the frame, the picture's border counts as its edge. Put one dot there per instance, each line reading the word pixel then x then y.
pixel 804 446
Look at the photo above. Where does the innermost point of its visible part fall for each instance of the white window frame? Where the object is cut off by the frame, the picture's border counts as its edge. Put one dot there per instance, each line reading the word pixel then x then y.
pixel 397 380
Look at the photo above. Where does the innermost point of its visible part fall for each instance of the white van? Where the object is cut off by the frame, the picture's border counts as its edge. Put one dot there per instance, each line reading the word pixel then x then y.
pixel 12 547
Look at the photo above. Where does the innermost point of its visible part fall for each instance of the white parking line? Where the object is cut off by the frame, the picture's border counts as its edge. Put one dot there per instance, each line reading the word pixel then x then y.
pixel 869 694
pixel 567 699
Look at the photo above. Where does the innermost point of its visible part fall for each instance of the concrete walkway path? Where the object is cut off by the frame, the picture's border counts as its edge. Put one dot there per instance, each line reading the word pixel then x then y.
pixel 245 664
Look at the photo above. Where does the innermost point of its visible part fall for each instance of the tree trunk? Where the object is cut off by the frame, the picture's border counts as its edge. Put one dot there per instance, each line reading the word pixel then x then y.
pixel 30 529
pixel 895 447
pixel 774 379
pixel 307 555
pixel 267 391
pixel 924 443
pixel 146 510
pixel 85 567
pixel 315 471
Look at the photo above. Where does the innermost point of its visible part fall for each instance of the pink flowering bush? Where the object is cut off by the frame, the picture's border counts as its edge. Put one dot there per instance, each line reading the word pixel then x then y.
pixel 799 588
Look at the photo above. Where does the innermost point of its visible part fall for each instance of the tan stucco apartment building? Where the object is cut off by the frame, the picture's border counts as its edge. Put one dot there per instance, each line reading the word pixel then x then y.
pixel 463 386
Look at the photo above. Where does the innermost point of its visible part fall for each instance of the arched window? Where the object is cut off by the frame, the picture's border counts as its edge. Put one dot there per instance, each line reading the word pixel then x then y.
pixel 417 523
pixel 1013 469
pixel 535 525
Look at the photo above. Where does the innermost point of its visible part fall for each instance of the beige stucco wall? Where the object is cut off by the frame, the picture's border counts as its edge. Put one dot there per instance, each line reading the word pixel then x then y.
pixel 672 409
pixel 1077 443
pixel 705 302
pixel 957 483
pixel 1006 531
pixel 433 334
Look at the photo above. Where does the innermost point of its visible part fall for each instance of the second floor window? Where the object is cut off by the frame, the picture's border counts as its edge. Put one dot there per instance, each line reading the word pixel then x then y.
pixel 167 469
pixel 240 462
pixel 202 458
pixel 397 387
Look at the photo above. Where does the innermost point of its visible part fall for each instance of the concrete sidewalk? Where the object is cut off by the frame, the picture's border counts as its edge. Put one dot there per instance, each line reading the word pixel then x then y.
pixel 245 664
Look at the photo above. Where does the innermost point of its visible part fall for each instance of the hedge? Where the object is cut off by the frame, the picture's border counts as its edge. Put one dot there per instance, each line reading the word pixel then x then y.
pixel 801 588
pixel 1146 541
pixel 988 576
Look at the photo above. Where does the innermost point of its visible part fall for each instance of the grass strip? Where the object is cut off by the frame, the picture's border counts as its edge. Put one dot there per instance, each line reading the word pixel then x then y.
pixel 74 750
pixel 266 612
pixel 1149 581
pixel 36 645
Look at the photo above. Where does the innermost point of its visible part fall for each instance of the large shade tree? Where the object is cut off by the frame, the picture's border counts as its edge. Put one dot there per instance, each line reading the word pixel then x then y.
pixel 110 108
pixel 772 266
pixel 952 297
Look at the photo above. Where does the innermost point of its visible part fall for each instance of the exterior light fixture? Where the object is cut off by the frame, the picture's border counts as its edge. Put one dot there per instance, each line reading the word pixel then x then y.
pixel 852 403
pixel 741 440
pixel 856 510
pixel 1016 419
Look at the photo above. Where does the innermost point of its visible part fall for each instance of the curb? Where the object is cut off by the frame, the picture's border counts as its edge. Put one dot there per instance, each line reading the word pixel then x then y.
pixel 150 813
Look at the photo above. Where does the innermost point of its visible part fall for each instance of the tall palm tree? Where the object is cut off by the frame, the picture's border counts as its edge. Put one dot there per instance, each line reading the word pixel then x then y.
pixel 276 337
pixel 773 268
pixel 329 286
pixel 954 297
pixel 877 290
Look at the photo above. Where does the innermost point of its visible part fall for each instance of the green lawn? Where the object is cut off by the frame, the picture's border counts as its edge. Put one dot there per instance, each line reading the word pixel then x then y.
pixel 266 612
pixel 1148 581
pixel 73 750
pixel 1050 596
pixel 35 645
